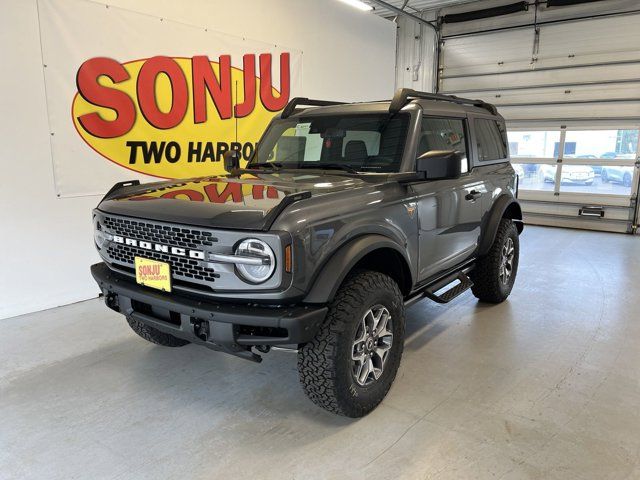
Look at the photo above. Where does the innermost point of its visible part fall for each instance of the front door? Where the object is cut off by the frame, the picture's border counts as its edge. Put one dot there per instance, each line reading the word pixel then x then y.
pixel 449 211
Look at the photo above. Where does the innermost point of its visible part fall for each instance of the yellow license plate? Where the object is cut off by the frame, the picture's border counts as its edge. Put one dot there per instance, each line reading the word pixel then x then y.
pixel 153 273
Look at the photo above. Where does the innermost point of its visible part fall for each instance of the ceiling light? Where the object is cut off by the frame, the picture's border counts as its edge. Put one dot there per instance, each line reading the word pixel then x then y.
pixel 358 4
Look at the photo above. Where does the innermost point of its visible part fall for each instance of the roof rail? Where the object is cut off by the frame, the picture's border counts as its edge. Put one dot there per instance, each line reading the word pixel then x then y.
pixel 405 95
pixel 298 101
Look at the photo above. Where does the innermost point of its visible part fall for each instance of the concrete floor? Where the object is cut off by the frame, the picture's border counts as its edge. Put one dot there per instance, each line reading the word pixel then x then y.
pixel 546 385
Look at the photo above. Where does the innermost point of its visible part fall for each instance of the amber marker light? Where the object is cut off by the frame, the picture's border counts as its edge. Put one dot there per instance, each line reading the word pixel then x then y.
pixel 287 259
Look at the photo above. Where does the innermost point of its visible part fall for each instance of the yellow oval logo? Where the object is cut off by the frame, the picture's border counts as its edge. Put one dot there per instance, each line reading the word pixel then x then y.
pixel 175 117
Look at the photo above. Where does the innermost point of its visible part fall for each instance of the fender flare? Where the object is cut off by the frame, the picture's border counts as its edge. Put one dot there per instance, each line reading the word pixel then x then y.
pixel 492 221
pixel 335 270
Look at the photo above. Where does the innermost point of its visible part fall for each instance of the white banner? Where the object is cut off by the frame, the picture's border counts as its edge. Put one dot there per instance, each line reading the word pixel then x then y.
pixel 132 96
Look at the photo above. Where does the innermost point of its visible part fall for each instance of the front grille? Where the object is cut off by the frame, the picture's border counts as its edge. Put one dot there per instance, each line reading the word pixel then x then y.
pixel 180 266
pixel 191 269
pixel 176 236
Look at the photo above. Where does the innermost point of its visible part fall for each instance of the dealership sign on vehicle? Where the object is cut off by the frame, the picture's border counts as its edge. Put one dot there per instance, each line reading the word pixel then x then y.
pixel 138 104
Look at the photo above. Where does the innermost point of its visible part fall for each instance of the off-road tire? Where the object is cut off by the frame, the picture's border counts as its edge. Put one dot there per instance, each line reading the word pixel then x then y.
pixel 487 286
pixel 154 335
pixel 325 364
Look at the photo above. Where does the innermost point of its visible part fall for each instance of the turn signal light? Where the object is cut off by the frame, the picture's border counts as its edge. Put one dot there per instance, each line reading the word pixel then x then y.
pixel 287 259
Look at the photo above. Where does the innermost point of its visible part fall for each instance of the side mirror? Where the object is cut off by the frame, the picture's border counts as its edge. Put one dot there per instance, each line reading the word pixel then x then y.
pixel 231 160
pixel 439 164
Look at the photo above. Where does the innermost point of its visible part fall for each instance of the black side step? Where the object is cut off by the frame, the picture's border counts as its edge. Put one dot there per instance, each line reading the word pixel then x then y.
pixel 464 284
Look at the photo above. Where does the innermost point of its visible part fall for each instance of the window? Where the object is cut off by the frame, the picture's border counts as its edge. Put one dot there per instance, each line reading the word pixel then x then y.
pixel 366 142
pixel 609 144
pixel 595 162
pixel 536 176
pixel 491 138
pixel 569 149
pixel 589 179
pixel 533 143
pixel 370 139
pixel 443 134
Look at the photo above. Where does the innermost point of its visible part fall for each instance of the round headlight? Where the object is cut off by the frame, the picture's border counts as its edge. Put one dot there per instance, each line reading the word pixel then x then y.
pixel 260 271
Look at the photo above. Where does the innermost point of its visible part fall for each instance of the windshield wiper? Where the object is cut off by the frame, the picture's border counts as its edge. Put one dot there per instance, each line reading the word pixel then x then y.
pixel 331 166
pixel 271 165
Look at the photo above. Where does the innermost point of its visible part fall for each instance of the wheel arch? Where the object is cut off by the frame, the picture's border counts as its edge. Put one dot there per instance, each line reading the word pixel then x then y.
pixel 371 252
pixel 505 206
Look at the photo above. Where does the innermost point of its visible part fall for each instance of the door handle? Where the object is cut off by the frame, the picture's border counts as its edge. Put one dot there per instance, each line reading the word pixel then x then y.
pixel 473 195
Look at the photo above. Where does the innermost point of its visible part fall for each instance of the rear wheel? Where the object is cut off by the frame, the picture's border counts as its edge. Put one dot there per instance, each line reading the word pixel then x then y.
pixel 495 273
pixel 604 176
pixel 154 335
pixel 351 363
pixel 626 180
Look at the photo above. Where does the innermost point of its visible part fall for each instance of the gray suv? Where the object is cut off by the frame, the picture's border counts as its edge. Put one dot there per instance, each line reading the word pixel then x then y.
pixel 344 216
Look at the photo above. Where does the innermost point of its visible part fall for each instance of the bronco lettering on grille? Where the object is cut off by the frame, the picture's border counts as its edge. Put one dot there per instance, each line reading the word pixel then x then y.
pixel 181 252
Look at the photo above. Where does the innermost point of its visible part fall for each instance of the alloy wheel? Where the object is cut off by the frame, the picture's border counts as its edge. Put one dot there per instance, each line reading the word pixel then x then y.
pixel 506 261
pixel 372 344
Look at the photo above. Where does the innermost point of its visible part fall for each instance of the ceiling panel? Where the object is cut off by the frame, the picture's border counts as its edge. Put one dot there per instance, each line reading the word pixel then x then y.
pixel 414 6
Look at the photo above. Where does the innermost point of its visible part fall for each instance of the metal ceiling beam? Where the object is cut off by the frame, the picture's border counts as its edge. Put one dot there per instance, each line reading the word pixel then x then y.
pixel 400 11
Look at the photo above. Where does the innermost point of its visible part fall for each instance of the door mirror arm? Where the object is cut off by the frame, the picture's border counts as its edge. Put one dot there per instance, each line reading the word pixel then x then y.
pixel 410 177
pixel 231 160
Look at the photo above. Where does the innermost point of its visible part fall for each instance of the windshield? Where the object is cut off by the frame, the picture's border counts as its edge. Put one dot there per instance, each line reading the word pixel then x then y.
pixel 370 142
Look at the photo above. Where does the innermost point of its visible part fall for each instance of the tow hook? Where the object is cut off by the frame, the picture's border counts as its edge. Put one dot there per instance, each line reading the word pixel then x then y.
pixel 111 299
pixel 201 329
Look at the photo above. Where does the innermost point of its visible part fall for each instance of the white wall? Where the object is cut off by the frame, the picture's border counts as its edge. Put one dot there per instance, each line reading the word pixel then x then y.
pixel 46 243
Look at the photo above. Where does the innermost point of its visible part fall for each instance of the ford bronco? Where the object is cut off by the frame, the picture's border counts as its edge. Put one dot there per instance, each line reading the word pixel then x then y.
pixel 344 216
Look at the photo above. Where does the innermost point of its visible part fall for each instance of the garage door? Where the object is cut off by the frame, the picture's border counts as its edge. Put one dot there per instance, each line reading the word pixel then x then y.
pixel 567 79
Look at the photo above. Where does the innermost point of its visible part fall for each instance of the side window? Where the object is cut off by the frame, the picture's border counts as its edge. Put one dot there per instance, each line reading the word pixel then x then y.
pixel 443 134
pixel 491 138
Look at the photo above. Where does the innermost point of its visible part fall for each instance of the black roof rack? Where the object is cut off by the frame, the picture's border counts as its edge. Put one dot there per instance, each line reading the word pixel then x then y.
pixel 405 95
pixel 298 101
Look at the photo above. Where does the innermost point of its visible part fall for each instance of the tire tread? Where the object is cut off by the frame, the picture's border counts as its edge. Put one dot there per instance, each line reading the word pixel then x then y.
pixel 317 360
pixel 154 335
pixel 486 284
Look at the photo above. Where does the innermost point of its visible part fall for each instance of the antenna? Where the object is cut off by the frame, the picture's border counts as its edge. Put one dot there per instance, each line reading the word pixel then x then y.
pixel 234 113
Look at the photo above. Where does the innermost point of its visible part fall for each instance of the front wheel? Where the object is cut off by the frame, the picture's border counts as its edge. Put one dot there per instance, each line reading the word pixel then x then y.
pixel 351 363
pixel 495 273
pixel 604 176
pixel 626 181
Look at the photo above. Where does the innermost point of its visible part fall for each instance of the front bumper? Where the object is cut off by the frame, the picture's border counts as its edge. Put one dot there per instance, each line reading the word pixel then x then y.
pixel 229 327
pixel 576 181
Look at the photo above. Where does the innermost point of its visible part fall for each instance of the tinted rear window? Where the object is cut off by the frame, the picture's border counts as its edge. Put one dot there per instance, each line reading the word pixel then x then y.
pixel 492 141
